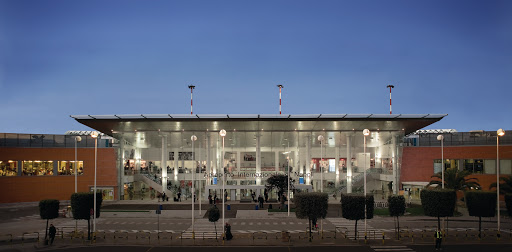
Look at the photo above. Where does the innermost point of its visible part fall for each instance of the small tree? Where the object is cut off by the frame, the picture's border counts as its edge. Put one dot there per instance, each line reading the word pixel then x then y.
pixel 505 185
pixel 481 204
pixel 396 205
pixel 280 182
pixel 213 216
pixel 353 205
pixel 82 204
pixel 48 209
pixel 508 203
pixel 311 206
pixel 438 203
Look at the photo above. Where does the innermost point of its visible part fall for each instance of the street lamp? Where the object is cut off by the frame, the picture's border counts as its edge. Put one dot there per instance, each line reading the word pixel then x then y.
pixel 321 139
pixel 77 139
pixel 366 132
pixel 223 134
pixel 441 138
pixel 94 135
pixel 500 132
pixel 193 138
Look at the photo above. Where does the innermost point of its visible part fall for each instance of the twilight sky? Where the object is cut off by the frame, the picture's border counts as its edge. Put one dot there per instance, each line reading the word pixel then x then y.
pixel 61 58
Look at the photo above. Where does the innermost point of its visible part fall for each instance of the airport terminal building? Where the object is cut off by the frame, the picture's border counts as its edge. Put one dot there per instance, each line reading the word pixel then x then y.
pixel 322 152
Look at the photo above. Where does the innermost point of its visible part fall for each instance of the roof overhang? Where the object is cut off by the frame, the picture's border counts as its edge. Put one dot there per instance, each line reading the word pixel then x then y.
pixel 110 124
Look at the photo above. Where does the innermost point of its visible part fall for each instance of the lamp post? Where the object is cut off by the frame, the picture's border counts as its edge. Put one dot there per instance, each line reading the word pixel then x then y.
pixel 77 139
pixel 223 134
pixel 321 139
pixel 441 138
pixel 366 132
pixel 94 135
pixel 288 178
pixel 500 132
pixel 193 138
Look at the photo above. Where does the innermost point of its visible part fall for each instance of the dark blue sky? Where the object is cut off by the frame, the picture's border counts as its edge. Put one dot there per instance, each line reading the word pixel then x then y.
pixel 61 58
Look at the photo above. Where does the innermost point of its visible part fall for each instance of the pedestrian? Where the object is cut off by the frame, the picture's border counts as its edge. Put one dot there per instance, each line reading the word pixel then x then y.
pixel 52 232
pixel 163 196
pixel 266 195
pixel 215 199
pixel 439 239
pixel 225 195
pixel 260 200
pixel 229 236
pixel 179 196
pixel 210 198
pixel 159 195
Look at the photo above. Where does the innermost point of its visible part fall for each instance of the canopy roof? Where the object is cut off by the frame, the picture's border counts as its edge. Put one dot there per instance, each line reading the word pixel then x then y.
pixel 152 125
pixel 110 124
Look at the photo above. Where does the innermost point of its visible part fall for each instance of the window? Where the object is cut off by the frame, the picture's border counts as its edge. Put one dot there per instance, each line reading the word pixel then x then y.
pixel 474 165
pixel 37 168
pixel 448 163
pixel 489 166
pixel 8 168
pixel 68 167
pixel 506 166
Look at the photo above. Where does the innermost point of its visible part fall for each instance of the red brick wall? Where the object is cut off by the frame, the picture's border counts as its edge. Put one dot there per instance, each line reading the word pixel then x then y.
pixel 418 162
pixel 36 188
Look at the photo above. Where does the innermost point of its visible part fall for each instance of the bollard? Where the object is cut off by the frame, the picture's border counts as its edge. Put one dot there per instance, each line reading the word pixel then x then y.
pixel 498 235
pixel 383 238
pixel 412 236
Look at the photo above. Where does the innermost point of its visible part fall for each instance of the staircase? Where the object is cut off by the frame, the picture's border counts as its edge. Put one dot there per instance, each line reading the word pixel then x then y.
pixel 148 179
pixel 358 180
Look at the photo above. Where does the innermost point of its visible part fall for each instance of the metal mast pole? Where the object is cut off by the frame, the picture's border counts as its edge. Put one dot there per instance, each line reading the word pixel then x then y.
pixel 280 86
pixel 390 87
pixel 191 88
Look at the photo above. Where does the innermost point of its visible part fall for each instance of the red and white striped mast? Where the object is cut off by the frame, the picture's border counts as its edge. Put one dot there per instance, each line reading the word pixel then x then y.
pixel 280 86
pixel 191 88
pixel 390 87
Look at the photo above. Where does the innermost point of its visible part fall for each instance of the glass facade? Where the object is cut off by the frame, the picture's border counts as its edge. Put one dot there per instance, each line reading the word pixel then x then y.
pixel 248 158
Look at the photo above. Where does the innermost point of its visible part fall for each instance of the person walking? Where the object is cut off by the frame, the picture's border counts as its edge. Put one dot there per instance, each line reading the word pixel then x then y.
pixel 52 231
pixel 439 239
pixel 227 229
pixel 260 200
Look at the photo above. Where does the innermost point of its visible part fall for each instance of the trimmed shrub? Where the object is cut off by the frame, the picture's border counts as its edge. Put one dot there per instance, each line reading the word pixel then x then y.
pixel 352 207
pixel 438 203
pixel 48 209
pixel 311 206
pixel 508 203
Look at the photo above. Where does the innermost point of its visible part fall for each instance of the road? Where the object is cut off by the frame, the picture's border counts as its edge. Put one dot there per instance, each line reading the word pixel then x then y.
pixel 362 248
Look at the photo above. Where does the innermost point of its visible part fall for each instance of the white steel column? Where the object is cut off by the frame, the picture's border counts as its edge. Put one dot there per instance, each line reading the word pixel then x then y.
pixel 308 160
pixel 176 165
pixel 258 158
pixel 394 160
pixel 163 163
pixel 337 165
pixel 276 160
pixel 208 160
pixel 349 162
